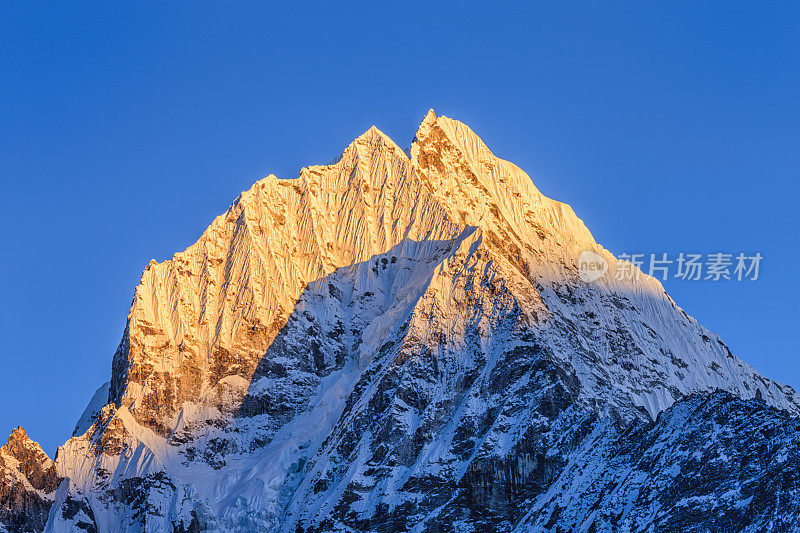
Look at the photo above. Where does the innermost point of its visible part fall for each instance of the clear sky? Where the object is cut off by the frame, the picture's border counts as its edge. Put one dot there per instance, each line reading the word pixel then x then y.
pixel 126 127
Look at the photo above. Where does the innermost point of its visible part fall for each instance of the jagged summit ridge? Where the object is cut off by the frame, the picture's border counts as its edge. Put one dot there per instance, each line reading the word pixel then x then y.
pixel 234 289
pixel 358 344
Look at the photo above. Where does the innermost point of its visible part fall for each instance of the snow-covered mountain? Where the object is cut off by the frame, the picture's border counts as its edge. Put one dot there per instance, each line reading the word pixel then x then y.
pixel 400 340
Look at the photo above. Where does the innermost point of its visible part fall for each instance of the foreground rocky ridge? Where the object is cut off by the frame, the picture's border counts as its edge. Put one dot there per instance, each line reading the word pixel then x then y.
pixel 400 341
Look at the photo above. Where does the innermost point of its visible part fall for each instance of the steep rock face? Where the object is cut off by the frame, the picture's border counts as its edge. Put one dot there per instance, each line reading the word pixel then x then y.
pixel 28 483
pixel 211 312
pixel 395 341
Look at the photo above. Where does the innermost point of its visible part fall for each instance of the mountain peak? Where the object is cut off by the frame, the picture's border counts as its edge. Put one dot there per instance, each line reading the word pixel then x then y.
pixel 20 444
pixel 18 439
pixel 372 137
pixel 238 284
pixel 28 480
pixel 380 334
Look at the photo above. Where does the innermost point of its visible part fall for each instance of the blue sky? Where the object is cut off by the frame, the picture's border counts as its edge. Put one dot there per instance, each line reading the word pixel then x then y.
pixel 126 127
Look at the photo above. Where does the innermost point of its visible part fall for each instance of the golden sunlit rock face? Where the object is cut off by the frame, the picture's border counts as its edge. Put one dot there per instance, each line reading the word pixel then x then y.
pixel 396 339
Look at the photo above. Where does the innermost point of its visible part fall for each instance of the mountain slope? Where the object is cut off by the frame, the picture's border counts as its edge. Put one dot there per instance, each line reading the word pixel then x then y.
pixel 397 341
pixel 709 463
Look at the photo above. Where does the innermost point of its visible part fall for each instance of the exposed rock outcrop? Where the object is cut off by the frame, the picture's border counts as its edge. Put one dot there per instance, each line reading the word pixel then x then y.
pixel 28 483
